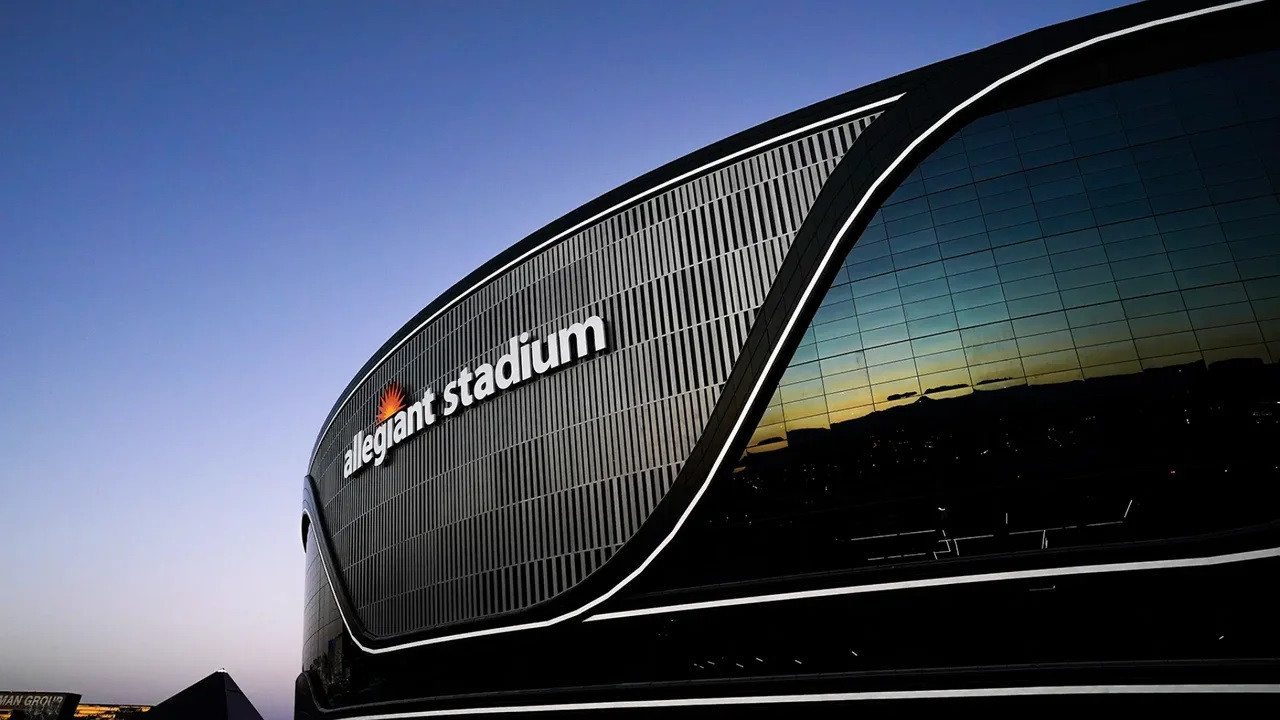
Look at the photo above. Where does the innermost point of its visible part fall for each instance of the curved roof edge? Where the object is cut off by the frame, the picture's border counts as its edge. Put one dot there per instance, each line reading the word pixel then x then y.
pixel 703 156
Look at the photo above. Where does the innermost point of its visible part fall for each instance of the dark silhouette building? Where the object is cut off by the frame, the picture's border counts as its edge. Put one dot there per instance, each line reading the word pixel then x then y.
pixel 215 697
pixel 958 391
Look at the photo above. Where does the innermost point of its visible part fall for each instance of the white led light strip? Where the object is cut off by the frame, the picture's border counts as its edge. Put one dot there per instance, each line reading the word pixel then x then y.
pixel 945 581
pixel 957 693
pixel 788 330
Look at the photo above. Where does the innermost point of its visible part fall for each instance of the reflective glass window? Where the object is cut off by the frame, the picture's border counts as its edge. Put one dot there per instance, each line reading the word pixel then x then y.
pixel 1070 338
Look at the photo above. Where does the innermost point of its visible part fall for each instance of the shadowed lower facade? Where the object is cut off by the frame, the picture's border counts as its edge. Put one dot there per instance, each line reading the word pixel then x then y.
pixel 959 390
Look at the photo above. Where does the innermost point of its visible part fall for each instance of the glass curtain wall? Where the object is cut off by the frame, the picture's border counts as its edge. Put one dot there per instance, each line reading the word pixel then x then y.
pixel 1061 330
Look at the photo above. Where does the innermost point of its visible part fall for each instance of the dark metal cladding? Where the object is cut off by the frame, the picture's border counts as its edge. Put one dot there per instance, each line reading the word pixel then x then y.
pixel 509 502
pixel 977 412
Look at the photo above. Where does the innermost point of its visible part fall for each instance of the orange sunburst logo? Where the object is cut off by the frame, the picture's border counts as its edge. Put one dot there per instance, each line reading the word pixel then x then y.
pixel 391 402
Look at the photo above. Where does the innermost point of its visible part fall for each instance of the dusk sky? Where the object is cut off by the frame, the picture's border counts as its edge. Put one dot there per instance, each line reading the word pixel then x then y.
pixel 211 215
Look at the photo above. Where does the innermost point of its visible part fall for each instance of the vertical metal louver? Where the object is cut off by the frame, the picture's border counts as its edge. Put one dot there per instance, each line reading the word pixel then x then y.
pixel 515 500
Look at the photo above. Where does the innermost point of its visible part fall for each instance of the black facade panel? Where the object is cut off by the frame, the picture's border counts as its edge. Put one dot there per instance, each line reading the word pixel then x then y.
pixel 975 412
pixel 468 520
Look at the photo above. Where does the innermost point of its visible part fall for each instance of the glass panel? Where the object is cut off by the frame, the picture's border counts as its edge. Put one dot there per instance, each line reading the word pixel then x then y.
pixel 1073 327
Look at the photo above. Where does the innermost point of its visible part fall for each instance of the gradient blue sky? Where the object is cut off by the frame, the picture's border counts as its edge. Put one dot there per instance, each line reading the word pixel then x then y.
pixel 211 214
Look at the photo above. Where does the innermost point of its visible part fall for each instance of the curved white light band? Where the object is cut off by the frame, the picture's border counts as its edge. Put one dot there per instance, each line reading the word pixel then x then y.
pixel 956 693
pixel 946 581
pixel 835 243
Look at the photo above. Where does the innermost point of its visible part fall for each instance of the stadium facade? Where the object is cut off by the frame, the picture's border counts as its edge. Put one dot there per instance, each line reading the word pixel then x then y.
pixel 960 389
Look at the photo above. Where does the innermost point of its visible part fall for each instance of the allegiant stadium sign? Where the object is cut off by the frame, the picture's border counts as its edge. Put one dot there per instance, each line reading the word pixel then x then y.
pixel 398 420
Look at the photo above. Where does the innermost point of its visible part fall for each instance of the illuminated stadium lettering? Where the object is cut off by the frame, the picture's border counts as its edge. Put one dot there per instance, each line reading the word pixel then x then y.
pixel 397 420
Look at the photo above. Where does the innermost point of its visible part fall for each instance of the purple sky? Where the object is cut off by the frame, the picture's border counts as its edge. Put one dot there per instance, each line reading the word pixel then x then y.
pixel 212 214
